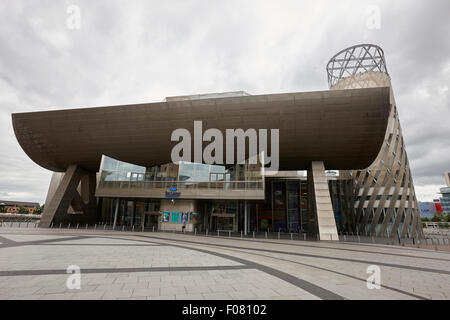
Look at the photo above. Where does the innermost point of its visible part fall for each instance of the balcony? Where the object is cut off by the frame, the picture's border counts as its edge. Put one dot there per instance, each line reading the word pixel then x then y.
pixel 246 190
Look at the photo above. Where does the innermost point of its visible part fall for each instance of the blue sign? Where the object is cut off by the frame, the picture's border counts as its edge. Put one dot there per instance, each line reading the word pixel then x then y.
pixel 172 193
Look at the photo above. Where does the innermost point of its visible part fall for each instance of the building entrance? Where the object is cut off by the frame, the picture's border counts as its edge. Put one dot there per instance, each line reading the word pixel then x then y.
pixel 224 216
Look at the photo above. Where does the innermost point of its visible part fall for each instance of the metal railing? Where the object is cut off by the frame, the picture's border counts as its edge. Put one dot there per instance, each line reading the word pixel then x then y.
pixel 433 242
pixel 221 185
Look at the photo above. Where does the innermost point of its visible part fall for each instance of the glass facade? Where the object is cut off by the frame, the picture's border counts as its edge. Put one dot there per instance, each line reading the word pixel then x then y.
pixel 118 174
pixel 445 200
pixel 283 209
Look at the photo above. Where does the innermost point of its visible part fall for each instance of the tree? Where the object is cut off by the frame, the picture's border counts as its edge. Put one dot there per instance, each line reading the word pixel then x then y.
pixel 3 209
pixel 436 218
pixel 23 210
pixel 39 210
pixel 447 218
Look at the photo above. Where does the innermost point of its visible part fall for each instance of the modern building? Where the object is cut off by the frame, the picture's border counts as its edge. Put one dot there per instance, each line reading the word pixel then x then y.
pixel 445 200
pixel 342 162
pixel 447 178
pixel 385 200
pixel 429 209
pixel 14 206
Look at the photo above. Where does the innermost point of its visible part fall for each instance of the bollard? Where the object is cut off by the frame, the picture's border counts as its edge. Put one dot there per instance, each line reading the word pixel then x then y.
pixel 345 238
pixel 241 233
pixel 253 234
pixel 142 228
pixel 104 227
pixel 218 233
pixel 123 227
pixel 95 226
pixel 153 229
pixel 266 235
pixel 132 228
pixel 278 235
pixel 86 226
pixel 359 238
pixel 77 225
pixel 229 233
pixel 68 226
pixel 206 233
pixel 60 225
pixel 304 236
pixel 291 236
pixel 195 231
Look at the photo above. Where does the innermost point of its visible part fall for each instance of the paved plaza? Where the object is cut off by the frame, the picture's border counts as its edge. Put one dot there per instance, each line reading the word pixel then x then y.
pixel 156 265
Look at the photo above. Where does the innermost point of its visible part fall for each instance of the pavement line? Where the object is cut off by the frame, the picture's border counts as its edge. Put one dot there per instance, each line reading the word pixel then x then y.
pixel 4 242
pixel 9 273
pixel 105 244
pixel 333 271
pixel 12 243
pixel 400 266
pixel 38 242
pixel 343 249
pixel 300 283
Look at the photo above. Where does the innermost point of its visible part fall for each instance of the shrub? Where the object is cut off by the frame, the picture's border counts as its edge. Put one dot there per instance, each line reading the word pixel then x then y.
pixel 23 210
pixel 436 219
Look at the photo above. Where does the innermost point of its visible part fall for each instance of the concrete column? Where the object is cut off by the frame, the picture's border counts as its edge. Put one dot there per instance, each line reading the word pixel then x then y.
pixel 245 218
pixel 66 195
pixel 116 212
pixel 321 206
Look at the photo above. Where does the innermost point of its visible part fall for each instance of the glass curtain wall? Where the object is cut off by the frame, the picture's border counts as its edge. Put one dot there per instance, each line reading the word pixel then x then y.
pixel 187 172
pixel 285 204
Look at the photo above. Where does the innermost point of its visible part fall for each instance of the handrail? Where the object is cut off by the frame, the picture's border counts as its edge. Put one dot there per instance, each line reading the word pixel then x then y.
pixel 224 185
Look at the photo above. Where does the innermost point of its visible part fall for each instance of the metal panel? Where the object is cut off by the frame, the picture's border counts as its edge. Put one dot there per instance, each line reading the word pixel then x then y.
pixel 313 125
pixel 364 66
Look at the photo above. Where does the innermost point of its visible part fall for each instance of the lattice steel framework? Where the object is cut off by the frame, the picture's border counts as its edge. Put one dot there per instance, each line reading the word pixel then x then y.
pixel 385 200
pixel 357 59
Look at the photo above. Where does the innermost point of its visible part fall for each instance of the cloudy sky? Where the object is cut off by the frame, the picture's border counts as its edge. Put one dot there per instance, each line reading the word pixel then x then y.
pixel 142 51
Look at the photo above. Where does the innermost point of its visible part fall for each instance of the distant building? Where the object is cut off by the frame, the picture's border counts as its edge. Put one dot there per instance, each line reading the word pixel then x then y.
pixel 445 200
pixel 447 178
pixel 427 209
pixel 13 206
pixel 438 208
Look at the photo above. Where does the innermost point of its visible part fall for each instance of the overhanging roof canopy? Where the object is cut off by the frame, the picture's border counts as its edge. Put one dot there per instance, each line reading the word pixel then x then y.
pixel 343 128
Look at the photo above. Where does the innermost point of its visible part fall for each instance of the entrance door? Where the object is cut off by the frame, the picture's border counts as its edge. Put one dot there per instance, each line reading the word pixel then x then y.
pixel 151 220
pixel 223 221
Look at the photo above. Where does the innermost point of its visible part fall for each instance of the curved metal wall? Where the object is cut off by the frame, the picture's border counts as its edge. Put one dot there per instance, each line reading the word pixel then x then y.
pixel 385 200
